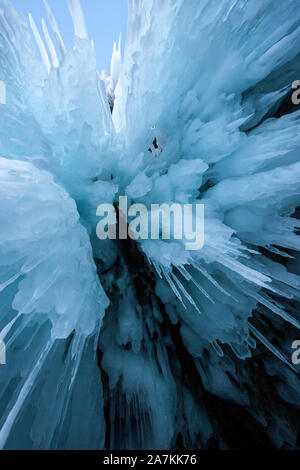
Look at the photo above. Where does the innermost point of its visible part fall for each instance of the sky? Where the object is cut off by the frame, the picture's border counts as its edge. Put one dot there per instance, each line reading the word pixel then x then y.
pixel 105 19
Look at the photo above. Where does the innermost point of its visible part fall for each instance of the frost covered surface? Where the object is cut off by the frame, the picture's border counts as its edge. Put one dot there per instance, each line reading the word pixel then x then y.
pixel 144 344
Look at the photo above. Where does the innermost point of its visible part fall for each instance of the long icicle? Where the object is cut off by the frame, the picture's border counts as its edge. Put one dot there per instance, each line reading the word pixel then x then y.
pixel 40 44
pixel 55 29
pixel 50 45
pixel 27 387
pixel 78 19
pixel 269 346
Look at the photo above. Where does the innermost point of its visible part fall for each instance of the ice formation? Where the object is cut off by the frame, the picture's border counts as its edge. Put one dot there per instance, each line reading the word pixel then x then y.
pixel 129 345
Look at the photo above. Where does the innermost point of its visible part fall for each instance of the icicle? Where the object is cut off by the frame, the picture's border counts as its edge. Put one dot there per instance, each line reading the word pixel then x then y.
pixel 55 28
pixel 210 278
pixel 234 249
pixel 236 252
pixel 189 277
pixel 172 285
pixel 184 273
pixel 186 294
pixel 157 268
pixel 243 248
pixel 269 346
pixel 272 249
pixel 27 387
pixel 78 345
pixel 203 291
pixel 217 348
pixel 25 269
pixel 8 327
pixel 78 19
pixel 247 273
pixel 9 281
pixel 271 306
pixel 25 321
pixel 40 44
pixel 50 44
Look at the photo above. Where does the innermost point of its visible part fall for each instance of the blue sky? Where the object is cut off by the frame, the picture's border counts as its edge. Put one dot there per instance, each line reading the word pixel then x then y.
pixel 105 20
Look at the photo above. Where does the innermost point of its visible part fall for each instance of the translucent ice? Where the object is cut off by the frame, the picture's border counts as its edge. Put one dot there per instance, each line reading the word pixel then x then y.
pixel 143 344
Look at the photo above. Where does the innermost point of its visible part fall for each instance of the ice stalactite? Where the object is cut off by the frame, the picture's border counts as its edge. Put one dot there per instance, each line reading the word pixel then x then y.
pixel 111 81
